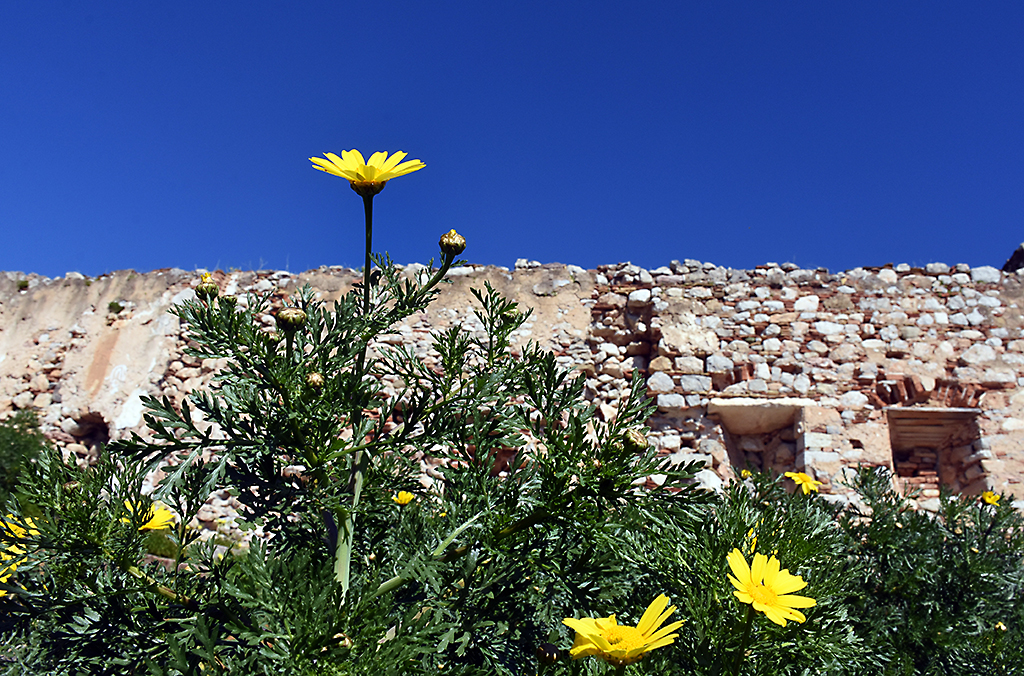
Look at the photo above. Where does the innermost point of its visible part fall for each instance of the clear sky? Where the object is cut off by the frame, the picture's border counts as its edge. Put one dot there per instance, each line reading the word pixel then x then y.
pixel 825 133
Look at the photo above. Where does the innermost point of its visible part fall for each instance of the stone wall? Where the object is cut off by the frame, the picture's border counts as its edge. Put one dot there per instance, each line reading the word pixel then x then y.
pixel 776 368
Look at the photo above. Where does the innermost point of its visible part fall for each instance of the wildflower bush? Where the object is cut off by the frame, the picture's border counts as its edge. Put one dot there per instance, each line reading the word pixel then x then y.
pixel 529 549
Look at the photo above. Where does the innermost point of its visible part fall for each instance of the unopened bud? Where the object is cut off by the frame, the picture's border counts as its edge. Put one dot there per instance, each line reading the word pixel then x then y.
pixel 291 319
pixel 452 243
pixel 634 441
pixel 315 380
pixel 207 289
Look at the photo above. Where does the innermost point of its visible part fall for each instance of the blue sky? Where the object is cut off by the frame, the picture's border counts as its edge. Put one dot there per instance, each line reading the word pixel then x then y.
pixel 147 135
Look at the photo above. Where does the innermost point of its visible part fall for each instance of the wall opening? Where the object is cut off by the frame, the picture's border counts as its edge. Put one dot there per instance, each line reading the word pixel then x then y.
pixel 936 446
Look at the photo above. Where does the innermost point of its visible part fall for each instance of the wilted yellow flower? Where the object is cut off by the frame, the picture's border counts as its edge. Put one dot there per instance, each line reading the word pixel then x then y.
pixel 991 498
pixel 12 551
pixel 157 518
pixel 804 481
pixel 620 645
pixel 767 588
pixel 366 177
pixel 403 497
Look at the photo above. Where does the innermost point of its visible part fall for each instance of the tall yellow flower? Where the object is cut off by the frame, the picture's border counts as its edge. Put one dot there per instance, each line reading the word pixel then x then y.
pixel 991 498
pixel 366 177
pixel 767 588
pixel 804 481
pixel 12 551
pixel 157 518
pixel 620 645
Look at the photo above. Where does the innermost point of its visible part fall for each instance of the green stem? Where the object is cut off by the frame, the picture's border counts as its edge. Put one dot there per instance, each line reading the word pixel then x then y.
pixel 743 641
pixel 343 556
pixel 368 210
pixel 620 670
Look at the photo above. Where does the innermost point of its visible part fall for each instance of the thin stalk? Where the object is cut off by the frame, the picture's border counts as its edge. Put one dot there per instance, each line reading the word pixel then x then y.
pixel 343 556
pixel 743 641
pixel 368 210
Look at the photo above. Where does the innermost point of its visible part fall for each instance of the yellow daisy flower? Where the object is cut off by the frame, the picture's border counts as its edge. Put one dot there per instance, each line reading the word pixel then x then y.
pixel 804 481
pixel 12 552
pixel 991 498
pixel 620 645
pixel 767 588
pixel 366 177
pixel 403 497
pixel 157 518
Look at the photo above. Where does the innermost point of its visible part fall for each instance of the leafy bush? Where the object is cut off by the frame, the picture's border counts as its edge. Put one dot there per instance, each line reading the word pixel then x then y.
pixel 453 524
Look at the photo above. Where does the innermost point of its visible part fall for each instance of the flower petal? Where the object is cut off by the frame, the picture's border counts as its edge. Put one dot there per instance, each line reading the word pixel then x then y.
pixel 758 567
pixel 792 601
pixel 393 161
pixel 739 567
pixel 785 583
pixel 650 620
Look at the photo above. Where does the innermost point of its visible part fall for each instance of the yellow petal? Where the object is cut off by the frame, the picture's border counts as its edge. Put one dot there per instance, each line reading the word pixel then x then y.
pixel 739 567
pixel 353 156
pixel 665 631
pixel 393 161
pixel 771 571
pixel 758 567
pixel 649 621
pixel 796 601
pixel 785 583
pixel 377 160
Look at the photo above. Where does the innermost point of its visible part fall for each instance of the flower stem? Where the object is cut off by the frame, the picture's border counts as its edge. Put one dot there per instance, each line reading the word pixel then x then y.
pixel 343 556
pixel 743 641
pixel 368 209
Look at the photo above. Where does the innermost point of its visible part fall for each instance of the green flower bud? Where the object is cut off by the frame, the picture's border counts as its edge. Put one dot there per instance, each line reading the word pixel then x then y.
pixel 452 243
pixel 207 289
pixel 634 441
pixel 291 319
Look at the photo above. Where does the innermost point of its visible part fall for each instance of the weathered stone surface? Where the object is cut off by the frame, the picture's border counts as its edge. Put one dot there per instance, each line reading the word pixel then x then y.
pixel 856 344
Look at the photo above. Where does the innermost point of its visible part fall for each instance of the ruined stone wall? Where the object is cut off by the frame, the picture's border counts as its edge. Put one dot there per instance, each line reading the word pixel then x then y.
pixel 776 368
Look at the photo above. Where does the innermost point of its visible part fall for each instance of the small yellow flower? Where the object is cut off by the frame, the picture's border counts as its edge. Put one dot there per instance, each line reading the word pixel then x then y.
pixel 12 551
pixel 804 481
pixel 366 177
pixel 1000 626
pixel 745 473
pixel 157 518
pixel 620 645
pixel 767 588
pixel 403 497
pixel 991 498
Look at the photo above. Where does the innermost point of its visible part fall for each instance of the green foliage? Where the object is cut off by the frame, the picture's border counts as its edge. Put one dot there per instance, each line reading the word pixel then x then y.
pixel 20 443
pixel 937 594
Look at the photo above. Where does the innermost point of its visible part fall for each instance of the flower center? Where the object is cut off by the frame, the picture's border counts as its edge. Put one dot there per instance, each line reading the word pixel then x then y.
pixel 763 595
pixel 624 638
